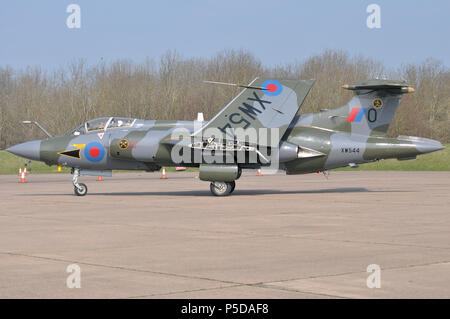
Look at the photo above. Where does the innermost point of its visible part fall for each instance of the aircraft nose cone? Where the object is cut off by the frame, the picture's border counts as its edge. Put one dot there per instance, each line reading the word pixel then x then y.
pixel 429 146
pixel 30 150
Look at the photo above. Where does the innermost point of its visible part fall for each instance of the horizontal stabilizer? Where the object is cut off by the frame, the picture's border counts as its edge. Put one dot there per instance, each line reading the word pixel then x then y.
pixel 400 86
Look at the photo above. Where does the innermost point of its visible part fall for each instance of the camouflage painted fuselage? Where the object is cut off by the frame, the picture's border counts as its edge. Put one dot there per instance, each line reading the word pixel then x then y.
pixel 146 152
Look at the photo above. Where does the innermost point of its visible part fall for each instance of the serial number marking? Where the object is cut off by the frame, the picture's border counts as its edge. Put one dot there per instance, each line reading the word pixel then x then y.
pixel 250 112
pixel 349 150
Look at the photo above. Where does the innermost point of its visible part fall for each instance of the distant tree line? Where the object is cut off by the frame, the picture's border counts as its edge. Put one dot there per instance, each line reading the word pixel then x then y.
pixel 172 88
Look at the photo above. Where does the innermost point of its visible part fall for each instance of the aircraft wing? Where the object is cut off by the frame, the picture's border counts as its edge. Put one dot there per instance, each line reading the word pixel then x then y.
pixel 264 103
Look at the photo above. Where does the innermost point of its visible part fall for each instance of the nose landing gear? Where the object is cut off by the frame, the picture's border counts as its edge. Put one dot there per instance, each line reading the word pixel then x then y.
pixel 80 189
pixel 222 188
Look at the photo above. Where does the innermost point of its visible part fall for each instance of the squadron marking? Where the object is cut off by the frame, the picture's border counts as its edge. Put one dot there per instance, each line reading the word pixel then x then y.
pixel 356 115
pixel 377 103
pixel 123 144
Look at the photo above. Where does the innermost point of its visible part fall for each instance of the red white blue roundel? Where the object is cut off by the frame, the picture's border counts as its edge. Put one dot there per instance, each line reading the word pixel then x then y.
pixel 94 152
pixel 272 87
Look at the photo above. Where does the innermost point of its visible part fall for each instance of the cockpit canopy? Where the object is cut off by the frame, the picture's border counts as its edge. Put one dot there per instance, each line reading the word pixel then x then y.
pixel 103 124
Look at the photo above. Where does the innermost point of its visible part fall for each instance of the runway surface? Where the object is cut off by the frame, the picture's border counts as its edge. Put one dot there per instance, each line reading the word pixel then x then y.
pixel 137 236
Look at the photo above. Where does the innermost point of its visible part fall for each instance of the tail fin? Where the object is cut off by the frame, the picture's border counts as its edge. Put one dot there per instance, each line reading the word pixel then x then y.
pixel 369 112
pixel 264 103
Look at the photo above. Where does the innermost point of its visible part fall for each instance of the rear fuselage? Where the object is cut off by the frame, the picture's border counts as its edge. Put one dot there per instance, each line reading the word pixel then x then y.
pixel 345 149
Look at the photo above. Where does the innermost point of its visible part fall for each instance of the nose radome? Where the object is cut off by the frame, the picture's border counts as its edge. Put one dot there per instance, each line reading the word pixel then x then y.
pixel 30 150
pixel 429 146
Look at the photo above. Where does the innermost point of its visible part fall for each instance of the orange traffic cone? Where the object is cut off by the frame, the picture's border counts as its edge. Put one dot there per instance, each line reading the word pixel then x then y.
pixel 22 177
pixel 99 178
pixel 20 171
pixel 163 173
pixel 259 172
pixel 25 170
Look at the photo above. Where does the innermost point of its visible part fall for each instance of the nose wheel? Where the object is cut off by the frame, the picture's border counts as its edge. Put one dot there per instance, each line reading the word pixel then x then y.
pixel 80 189
pixel 222 188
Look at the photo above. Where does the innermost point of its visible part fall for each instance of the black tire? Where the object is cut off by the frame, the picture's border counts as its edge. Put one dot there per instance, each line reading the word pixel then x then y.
pixel 220 188
pixel 82 191
pixel 239 173
pixel 233 186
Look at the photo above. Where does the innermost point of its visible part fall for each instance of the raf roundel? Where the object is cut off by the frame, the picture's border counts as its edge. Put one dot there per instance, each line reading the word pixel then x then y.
pixel 272 87
pixel 94 152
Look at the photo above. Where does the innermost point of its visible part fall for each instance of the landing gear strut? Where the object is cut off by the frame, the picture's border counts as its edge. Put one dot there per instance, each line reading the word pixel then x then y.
pixel 80 189
pixel 222 188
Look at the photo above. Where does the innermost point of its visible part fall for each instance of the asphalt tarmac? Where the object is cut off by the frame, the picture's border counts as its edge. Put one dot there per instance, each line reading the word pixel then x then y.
pixel 138 236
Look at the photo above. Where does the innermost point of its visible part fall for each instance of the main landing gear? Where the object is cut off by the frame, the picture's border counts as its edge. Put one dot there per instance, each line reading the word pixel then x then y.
pixel 80 189
pixel 222 188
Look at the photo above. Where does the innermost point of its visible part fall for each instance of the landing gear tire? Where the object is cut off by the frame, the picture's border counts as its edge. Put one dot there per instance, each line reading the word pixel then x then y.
pixel 239 173
pixel 222 188
pixel 81 190
pixel 233 185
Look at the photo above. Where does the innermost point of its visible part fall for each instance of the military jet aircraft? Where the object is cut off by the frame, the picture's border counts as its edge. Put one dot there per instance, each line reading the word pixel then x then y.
pixel 260 127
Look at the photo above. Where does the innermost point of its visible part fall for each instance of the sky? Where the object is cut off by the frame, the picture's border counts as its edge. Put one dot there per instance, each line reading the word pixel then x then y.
pixel 34 33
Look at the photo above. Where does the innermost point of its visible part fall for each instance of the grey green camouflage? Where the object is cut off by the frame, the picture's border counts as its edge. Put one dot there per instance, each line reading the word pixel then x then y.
pixel 259 128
